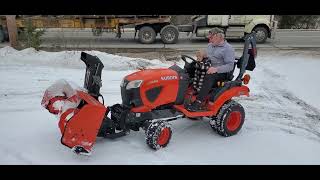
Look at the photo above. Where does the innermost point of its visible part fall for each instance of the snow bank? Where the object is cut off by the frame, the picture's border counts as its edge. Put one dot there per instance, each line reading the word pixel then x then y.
pixel 71 59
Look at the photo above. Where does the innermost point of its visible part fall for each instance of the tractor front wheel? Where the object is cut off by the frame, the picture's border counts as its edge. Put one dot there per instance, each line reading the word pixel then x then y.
pixel 158 134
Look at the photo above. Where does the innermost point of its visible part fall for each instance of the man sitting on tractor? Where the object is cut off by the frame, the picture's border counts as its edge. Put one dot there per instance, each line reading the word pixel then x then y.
pixel 222 56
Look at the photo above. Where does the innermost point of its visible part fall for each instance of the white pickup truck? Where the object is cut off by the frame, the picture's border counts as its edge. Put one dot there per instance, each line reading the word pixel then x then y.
pixel 234 26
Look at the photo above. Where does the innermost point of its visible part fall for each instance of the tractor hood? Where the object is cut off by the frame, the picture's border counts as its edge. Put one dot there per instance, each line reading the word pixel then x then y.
pixel 152 76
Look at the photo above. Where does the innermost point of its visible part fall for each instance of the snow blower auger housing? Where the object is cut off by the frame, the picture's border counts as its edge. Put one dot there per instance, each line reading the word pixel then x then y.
pixel 151 98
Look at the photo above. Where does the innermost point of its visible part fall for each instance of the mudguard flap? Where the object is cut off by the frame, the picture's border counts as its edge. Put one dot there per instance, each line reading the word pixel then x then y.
pixel 83 127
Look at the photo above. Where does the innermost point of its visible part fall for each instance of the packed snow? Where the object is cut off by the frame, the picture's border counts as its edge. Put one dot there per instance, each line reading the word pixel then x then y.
pixel 282 114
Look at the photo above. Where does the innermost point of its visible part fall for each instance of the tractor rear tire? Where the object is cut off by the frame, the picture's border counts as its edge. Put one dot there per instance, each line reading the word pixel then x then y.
pixel 147 35
pixel 158 134
pixel 229 120
pixel 213 121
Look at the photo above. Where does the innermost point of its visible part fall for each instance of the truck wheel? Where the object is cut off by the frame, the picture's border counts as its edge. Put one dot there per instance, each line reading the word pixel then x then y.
pixel 1 35
pixel 20 30
pixel 147 35
pixel 97 31
pixel 229 120
pixel 158 134
pixel 6 34
pixel 261 34
pixel 169 34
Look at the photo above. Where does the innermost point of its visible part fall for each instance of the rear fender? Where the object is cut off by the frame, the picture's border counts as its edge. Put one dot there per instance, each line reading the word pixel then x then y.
pixel 227 95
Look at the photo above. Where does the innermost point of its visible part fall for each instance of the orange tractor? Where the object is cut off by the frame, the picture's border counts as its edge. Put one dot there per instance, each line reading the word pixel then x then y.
pixel 150 99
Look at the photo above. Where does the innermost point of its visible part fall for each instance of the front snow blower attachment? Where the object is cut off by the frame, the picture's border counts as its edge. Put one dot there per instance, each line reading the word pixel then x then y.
pixel 78 109
pixel 82 117
pixel 151 98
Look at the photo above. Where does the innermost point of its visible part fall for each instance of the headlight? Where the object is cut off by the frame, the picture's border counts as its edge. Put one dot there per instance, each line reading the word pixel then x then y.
pixel 134 84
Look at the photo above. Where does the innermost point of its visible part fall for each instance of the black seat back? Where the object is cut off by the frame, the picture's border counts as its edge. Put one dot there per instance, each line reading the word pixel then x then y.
pixel 230 75
pixel 247 60
pixel 249 54
pixel 251 61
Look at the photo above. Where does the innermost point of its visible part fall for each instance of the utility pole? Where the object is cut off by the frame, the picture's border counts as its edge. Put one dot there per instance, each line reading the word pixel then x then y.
pixel 12 30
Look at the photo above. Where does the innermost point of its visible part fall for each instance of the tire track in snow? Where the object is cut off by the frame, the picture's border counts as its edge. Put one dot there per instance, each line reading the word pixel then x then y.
pixel 21 93
pixel 18 110
pixel 310 115
pixel 15 154
pixel 281 109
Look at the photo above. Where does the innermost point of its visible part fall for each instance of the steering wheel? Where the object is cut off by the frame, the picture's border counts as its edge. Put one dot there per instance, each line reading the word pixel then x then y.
pixel 189 67
pixel 183 57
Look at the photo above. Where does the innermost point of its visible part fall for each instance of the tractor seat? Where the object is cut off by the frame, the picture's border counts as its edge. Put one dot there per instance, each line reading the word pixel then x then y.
pixel 230 76
pixel 223 85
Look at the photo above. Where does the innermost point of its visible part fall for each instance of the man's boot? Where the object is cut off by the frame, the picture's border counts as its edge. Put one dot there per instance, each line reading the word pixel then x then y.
pixel 195 106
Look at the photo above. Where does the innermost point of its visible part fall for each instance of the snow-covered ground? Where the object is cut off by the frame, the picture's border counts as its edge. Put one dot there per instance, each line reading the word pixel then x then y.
pixel 282 114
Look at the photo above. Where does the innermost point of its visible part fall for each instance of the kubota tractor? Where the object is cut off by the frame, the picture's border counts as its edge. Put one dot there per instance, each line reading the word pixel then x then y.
pixel 150 99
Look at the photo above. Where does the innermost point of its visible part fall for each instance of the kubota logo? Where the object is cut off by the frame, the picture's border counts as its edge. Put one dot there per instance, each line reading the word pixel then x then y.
pixel 165 78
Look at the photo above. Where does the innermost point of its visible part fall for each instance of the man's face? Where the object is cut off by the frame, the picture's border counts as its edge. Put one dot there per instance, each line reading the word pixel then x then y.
pixel 214 39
